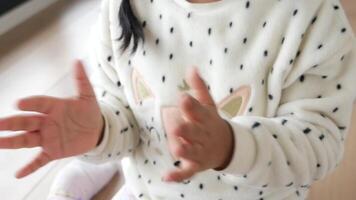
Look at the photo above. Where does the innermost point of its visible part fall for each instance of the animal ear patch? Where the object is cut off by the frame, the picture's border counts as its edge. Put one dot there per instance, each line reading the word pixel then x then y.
pixel 140 88
pixel 184 86
pixel 235 104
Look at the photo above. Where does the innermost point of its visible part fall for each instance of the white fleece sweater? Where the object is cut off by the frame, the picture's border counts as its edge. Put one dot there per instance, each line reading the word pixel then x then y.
pixel 281 71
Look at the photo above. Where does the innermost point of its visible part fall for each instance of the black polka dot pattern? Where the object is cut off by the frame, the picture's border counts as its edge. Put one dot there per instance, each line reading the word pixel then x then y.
pixel 295 12
pixel 265 53
pixel 270 96
pixel 255 125
pixel 263 83
pixel 247 4
pixel 177 163
pixel 306 130
pixel 245 40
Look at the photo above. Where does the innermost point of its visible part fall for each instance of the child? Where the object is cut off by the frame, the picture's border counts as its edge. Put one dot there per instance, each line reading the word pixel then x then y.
pixel 263 113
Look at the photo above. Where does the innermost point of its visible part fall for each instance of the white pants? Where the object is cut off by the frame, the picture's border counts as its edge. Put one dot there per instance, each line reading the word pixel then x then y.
pixel 124 194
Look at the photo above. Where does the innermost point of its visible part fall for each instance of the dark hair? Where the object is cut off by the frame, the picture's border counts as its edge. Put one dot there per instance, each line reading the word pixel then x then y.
pixel 131 27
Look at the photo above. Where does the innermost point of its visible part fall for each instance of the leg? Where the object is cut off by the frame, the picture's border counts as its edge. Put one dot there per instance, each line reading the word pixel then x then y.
pixel 81 181
pixel 124 194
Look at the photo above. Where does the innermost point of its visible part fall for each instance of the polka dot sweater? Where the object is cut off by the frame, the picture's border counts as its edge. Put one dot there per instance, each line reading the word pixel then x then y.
pixel 282 73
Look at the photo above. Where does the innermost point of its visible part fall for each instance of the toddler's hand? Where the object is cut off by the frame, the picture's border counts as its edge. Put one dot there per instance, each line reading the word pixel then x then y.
pixel 201 139
pixel 64 127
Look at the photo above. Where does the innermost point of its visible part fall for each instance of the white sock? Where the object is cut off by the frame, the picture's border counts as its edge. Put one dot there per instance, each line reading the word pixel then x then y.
pixel 80 180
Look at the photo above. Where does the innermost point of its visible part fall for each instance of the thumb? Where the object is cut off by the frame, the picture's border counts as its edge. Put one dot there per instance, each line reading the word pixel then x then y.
pixel 85 89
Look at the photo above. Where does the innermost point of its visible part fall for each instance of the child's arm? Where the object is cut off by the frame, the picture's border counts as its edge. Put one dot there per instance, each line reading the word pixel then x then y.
pixel 120 134
pixel 309 110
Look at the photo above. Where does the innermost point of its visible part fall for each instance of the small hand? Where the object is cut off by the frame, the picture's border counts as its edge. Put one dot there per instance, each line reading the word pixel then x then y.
pixel 201 139
pixel 62 127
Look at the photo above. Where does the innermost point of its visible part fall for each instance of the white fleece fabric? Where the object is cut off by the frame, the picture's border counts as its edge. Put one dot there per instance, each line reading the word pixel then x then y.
pixel 282 72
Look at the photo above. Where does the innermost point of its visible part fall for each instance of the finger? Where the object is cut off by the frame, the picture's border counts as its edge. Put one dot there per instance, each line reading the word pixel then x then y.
pixel 199 87
pixel 191 152
pixel 38 103
pixel 39 161
pixel 192 109
pixel 85 89
pixel 189 131
pixel 181 149
pixel 21 122
pixel 171 121
pixel 187 170
pixel 26 140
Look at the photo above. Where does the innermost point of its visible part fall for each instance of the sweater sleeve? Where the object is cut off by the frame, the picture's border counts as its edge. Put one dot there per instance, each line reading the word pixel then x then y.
pixel 120 135
pixel 310 106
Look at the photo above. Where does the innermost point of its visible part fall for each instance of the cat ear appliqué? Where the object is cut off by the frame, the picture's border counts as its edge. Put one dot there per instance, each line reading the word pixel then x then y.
pixel 235 104
pixel 141 89
pixel 184 86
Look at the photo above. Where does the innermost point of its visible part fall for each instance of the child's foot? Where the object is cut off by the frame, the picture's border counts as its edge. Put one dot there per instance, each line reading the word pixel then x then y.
pixel 81 181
